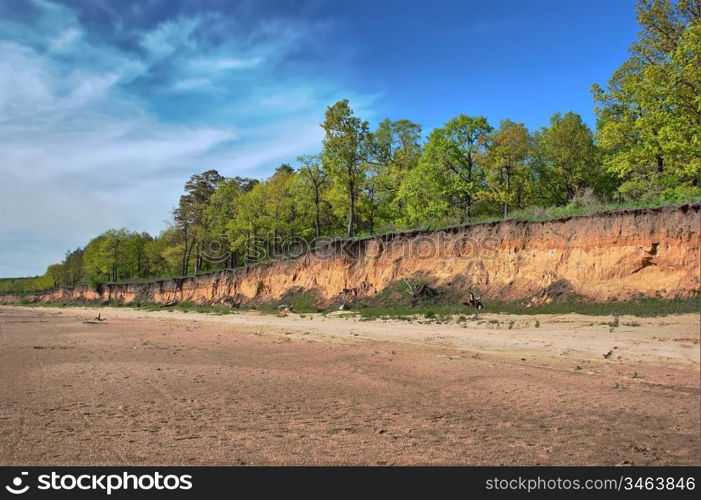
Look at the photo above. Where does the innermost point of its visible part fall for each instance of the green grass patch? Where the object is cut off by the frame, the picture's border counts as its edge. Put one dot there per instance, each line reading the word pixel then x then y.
pixel 644 307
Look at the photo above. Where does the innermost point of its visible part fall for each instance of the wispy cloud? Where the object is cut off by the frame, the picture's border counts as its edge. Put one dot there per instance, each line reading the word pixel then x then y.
pixel 169 37
pixel 98 134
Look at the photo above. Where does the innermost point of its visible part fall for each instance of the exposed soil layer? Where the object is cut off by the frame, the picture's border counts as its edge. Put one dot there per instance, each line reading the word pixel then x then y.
pixel 168 388
pixel 621 255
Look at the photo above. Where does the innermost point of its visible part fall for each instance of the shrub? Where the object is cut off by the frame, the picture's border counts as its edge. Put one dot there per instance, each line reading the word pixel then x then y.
pixel 585 199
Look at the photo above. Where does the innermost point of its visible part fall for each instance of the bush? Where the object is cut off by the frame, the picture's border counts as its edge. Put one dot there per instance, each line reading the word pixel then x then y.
pixel 585 199
pixel 95 283
pixel 680 194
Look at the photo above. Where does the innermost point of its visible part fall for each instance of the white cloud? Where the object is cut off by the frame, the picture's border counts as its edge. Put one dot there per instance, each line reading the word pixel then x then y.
pixel 169 36
pixel 64 40
pixel 192 84
pixel 83 150
pixel 224 63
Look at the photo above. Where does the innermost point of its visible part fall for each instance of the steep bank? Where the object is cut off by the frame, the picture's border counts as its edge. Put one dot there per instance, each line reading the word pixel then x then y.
pixel 605 256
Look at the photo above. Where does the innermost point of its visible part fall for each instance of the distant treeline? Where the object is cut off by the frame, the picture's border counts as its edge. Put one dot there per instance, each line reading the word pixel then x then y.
pixel 645 149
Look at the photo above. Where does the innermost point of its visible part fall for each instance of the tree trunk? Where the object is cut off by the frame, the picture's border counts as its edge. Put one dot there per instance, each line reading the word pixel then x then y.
pixel 660 163
pixel 317 228
pixel 187 258
pixel 198 262
pixel 351 210
pixel 466 210
pixel 186 252
pixel 570 193
pixel 508 191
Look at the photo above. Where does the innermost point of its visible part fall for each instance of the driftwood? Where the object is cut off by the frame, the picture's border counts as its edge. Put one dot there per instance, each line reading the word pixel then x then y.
pixel 474 301
pixel 230 301
pixel 284 310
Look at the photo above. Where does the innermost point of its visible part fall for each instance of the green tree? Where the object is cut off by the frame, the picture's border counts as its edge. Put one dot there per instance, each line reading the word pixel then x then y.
pixel 281 212
pixel 394 150
pixel 450 172
pixel 54 275
pixel 189 215
pixel 72 268
pixel 565 158
pixel 223 209
pixel 649 114
pixel 250 223
pixel 136 262
pixel 344 153
pixel 313 178
pixel 104 256
pixel 164 253
pixel 507 166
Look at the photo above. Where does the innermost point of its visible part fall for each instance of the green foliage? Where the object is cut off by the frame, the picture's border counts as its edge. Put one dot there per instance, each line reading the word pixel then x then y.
pixel 344 153
pixel 450 172
pixel 507 168
pixel 394 151
pixel 649 114
pixel 565 159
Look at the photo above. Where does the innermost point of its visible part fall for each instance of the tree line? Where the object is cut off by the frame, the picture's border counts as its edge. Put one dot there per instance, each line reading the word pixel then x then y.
pixel 363 181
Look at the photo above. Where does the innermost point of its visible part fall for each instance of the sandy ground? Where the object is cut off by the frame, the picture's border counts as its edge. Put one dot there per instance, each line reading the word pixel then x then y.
pixel 171 388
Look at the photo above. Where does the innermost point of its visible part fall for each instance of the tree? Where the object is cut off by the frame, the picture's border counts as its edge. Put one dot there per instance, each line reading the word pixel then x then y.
pixel 103 257
pixel 285 168
pixel 112 243
pixel 184 221
pixel 164 253
pixel 649 114
pixel 249 222
pixel 54 274
pixel 394 150
pixel 223 208
pixel 344 153
pixel 135 258
pixel 565 158
pixel 507 164
pixel 281 211
pixel 189 215
pixel 72 268
pixel 314 178
pixel 450 171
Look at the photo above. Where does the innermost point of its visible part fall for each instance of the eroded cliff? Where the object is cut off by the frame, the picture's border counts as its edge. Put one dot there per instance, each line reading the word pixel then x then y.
pixel 605 256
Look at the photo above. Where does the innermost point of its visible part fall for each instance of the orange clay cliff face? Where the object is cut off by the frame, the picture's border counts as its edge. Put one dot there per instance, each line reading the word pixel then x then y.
pixel 621 255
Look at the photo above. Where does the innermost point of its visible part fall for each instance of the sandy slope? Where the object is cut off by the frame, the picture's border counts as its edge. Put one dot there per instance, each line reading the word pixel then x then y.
pixel 176 388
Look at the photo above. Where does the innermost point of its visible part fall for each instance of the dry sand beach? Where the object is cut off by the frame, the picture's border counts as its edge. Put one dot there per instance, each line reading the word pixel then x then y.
pixel 169 388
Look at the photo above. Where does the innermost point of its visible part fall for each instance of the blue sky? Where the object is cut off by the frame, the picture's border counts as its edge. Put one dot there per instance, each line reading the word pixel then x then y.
pixel 108 106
